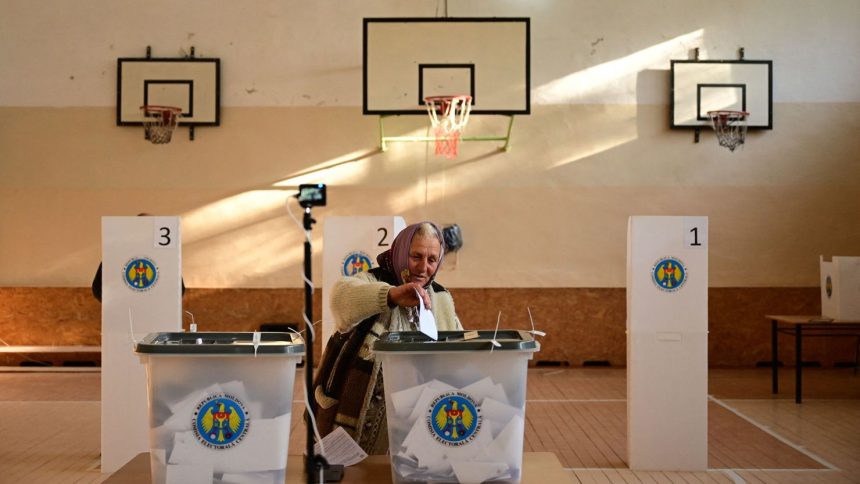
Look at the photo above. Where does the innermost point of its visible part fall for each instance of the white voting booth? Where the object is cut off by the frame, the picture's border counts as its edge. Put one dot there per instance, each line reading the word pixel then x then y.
pixel 141 274
pixel 350 245
pixel 667 343
pixel 840 287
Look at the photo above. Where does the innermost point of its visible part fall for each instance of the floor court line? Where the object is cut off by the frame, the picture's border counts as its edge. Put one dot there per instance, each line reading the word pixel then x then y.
pixel 773 434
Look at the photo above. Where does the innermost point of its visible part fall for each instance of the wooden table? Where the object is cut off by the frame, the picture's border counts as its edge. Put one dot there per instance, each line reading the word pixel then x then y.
pixel 538 468
pixel 800 327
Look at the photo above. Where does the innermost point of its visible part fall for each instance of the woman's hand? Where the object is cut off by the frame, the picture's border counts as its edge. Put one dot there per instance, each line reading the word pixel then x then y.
pixel 405 296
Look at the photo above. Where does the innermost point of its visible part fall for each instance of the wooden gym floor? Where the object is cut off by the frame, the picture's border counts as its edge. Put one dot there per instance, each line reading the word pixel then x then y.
pixel 50 427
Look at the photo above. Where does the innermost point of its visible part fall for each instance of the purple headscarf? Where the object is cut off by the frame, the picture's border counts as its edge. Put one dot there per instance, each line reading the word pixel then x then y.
pixel 396 259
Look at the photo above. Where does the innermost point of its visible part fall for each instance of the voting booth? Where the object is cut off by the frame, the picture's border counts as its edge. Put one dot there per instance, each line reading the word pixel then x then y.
pixel 840 288
pixel 350 246
pixel 219 405
pixel 667 343
pixel 141 293
pixel 455 406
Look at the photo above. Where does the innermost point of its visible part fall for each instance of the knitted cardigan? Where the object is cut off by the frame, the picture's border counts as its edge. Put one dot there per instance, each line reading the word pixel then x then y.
pixel 348 388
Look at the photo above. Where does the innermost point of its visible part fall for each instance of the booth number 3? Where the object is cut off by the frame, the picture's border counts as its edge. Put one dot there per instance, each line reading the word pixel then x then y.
pixel 166 232
pixel 695 232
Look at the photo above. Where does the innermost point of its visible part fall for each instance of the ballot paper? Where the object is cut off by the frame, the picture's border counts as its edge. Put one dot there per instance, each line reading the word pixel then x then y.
pixel 263 449
pixel 426 320
pixel 492 452
pixel 341 449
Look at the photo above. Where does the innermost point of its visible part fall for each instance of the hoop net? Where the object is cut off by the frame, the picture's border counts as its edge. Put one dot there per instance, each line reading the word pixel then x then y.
pixel 448 116
pixel 730 126
pixel 159 122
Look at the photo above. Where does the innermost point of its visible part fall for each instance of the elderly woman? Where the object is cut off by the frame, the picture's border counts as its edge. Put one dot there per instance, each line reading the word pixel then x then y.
pixel 348 387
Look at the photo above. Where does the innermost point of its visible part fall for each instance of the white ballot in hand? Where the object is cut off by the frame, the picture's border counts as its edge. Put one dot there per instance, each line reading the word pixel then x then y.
pixel 426 320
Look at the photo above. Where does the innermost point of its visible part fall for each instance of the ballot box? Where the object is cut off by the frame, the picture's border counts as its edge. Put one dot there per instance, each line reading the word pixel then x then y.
pixel 456 406
pixel 219 405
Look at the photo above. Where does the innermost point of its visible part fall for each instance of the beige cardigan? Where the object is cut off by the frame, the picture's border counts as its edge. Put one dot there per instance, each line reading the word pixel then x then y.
pixel 356 298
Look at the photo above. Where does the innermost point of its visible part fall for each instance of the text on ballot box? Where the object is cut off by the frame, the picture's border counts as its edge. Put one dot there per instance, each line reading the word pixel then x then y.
pixel 141 289
pixel 667 343
pixel 350 246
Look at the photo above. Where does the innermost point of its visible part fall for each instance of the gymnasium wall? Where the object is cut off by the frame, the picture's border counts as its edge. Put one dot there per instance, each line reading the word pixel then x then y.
pixel 550 213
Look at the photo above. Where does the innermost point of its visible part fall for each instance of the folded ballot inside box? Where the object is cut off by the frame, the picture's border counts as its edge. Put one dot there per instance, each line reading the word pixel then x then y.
pixel 219 405
pixel 840 288
pixel 456 406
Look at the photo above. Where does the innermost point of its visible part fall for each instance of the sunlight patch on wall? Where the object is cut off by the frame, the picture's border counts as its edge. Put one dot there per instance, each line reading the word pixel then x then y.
pixel 615 82
pixel 343 170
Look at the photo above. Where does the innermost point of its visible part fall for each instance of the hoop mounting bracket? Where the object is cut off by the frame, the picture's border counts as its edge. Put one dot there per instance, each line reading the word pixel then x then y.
pixel 384 140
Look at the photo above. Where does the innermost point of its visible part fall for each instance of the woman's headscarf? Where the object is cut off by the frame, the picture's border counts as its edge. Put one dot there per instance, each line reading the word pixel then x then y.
pixel 396 259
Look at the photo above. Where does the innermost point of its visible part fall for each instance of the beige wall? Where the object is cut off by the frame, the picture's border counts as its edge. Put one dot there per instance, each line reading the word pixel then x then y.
pixel 549 213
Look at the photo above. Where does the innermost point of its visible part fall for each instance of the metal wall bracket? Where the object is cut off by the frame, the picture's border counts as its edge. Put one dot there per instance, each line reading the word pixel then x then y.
pixel 384 140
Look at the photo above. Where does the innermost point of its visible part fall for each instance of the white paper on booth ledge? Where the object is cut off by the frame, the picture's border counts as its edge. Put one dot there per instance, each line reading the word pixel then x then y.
pixel 341 449
pixel 189 474
pixel 426 320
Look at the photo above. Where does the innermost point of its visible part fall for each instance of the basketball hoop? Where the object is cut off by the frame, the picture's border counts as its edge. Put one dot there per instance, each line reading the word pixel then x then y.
pixel 159 122
pixel 730 126
pixel 448 116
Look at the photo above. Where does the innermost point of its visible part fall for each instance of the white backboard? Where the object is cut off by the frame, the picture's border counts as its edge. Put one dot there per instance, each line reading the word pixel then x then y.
pixel 408 59
pixel 702 86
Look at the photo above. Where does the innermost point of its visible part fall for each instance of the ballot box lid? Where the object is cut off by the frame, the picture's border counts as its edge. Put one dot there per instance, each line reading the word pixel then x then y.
pixel 479 340
pixel 214 343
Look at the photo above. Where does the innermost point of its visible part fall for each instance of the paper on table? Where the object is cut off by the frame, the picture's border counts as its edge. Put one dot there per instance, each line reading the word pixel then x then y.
pixel 340 449
pixel 426 320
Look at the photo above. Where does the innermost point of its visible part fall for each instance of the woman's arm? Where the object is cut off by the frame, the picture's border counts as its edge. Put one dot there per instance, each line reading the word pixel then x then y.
pixel 356 298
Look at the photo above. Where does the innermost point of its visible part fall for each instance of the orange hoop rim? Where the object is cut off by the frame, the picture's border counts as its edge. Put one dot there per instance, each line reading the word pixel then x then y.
pixel 447 98
pixel 728 113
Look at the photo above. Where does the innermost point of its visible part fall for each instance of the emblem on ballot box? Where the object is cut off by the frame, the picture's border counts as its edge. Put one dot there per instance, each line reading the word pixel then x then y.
pixel 220 421
pixel 454 419
pixel 669 274
pixel 355 262
pixel 140 273
pixel 828 287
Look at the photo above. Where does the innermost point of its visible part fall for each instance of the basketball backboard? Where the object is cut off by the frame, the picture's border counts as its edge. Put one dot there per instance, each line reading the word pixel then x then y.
pixel 408 59
pixel 699 86
pixel 191 84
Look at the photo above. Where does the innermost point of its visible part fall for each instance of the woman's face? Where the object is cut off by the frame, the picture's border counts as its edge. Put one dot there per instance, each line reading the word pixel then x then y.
pixel 423 259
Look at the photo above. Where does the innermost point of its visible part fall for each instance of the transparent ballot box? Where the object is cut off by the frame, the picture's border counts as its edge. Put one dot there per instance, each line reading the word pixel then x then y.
pixel 219 405
pixel 456 407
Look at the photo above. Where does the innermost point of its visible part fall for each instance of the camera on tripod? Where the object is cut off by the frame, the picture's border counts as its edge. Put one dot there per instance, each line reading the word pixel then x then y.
pixel 312 195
